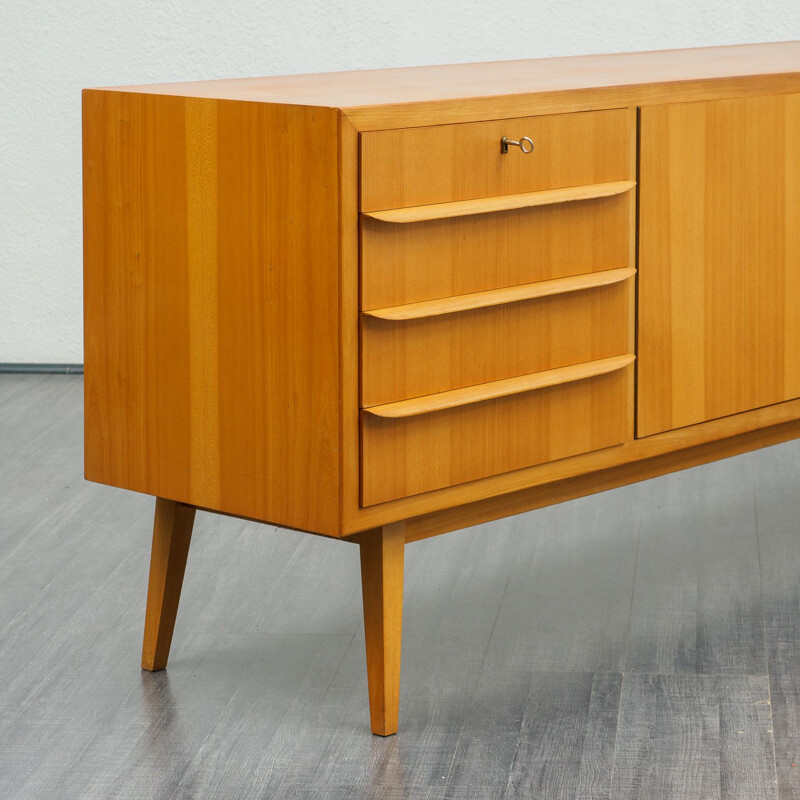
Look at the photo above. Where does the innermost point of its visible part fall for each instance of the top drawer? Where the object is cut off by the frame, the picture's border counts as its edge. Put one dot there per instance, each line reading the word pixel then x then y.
pixel 442 163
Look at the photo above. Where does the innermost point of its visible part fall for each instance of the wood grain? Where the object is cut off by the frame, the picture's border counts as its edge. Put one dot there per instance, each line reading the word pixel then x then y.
pixel 172 534
pixel 497 700
pixel 382 590
pixel 265 691
pixel 776 513
pixel 544 624
pixel 496 297
pixel 696 602
pixel 509 202
pixel 446 163
pixel 211 346
pixel 633 254
pixel 412 455
pixel 565 714
pixel 694 736
pixel 504 106
pixel 491 391
pixel 392 98
pixel 403 264
pixel 418 357
pixel 719 283
pixel 544 484
pixel 349 349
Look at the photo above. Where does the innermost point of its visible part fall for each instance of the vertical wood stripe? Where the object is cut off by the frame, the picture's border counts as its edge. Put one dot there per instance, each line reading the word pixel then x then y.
pixel 413 455
pixel 382 555
pixel 212 327
pixel 172 535
pixel 444 258
pixel 791 229
pixel 446 163
pixel 400 360
pixel 201 179
pixel 349 285
pixel 719 259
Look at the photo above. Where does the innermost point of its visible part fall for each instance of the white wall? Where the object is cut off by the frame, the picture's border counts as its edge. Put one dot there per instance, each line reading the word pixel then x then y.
pixel 50 50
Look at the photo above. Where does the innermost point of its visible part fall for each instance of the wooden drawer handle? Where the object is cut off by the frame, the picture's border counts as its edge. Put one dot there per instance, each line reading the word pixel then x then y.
pixel 509 202
pixel 490 391
pixel 497 297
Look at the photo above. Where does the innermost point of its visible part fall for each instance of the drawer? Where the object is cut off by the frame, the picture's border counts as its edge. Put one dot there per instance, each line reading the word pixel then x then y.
pixel 436 164
pixel 443 440
pixel 435 346
pixel 407 263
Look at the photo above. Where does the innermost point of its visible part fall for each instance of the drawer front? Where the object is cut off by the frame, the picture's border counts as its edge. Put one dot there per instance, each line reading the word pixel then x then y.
pixel 414 454
pixel 427 260
pixel 403 358
pixel 419 166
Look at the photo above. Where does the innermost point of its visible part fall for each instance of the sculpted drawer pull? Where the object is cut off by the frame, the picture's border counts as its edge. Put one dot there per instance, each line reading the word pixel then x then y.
pixel 503 388
pixel 508 202
pixel 496 297
pixel 525 144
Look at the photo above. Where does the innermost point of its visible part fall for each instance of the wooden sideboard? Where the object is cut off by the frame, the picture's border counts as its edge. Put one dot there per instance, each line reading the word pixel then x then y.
pixel 346 304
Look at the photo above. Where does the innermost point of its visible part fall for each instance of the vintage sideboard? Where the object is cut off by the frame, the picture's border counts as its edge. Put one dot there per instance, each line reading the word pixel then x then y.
pixel 387 304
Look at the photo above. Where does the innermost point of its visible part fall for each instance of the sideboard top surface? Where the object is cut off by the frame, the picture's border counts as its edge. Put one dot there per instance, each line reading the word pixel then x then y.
pixel 384 98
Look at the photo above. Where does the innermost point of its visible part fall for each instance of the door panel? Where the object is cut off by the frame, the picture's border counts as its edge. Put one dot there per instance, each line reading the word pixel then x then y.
pixel 719 259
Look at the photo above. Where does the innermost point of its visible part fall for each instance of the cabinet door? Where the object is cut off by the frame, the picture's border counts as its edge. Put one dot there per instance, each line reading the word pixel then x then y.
pixel 719 259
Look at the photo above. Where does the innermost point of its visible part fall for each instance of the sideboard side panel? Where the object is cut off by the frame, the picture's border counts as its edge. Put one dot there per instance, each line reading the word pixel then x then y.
pixel 211 304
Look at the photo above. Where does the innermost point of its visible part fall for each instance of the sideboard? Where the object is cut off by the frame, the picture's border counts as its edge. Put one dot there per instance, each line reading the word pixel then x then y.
pixel 383 305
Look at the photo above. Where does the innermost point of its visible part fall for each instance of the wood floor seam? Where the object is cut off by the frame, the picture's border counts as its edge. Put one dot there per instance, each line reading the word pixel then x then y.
pixel 586 650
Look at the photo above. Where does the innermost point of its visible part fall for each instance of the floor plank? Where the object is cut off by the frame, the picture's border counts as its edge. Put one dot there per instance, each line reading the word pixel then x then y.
pixel 567 739
pixel 697 595
pixel 777 503
pixel 694 736
pixel 642 643
pixel 588 545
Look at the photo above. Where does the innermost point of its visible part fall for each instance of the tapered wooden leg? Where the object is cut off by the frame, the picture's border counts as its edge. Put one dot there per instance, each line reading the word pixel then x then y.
pixel 382 553
pixel 172 533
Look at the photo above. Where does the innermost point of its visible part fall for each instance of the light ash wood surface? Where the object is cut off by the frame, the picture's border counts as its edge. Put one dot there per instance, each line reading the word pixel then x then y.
pixel 382 554
pixel 415 454
pixel 497 297
pixel 197 347
pixel 642 643
pixel 213 381
pixel 570 478
pixel 484 392
pixel 509 202
pixel 210 260
pixel 392 98
pixel 403 359
pixel 451 257
pixel 172 535
pixel 719 259
pixel 450 163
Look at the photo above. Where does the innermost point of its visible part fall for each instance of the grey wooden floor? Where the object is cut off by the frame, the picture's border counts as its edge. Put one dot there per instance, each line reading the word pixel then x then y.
pixel 643 643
